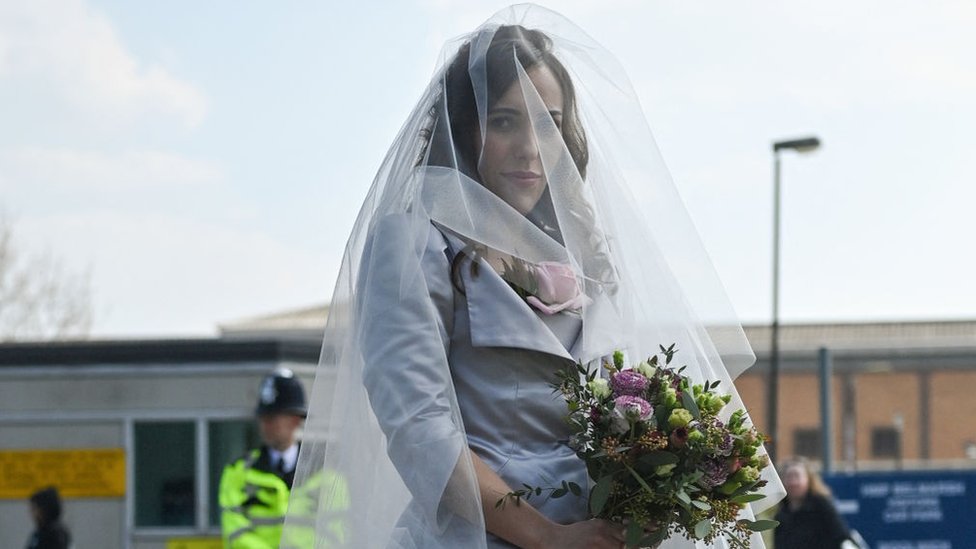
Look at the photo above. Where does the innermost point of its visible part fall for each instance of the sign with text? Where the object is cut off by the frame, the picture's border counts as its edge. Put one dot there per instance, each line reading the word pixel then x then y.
pixel 909 509
pixel 77 473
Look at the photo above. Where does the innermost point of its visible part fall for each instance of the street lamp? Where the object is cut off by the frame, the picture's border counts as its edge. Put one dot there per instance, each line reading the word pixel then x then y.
pixel 807 144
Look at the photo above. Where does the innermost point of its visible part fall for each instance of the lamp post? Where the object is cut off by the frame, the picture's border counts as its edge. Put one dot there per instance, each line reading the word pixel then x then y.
pixel 807 144
pixel 898 420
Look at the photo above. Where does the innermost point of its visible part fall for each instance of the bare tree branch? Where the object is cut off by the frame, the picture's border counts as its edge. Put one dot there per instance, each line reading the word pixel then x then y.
pixel 39 299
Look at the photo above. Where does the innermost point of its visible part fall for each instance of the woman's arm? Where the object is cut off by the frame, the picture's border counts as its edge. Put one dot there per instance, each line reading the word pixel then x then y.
pixel 524 526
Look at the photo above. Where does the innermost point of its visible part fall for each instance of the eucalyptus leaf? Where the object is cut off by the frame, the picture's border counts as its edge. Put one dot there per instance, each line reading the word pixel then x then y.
pixel 703 528
pixel 760 525
pixel 640 480
pixel 634 534
pixel 688 401
pixel 744 489
pixel 661 414
pixel 703 505
pixel 655 537
pixel 694 477
pixel 657 458
pixel 599 494
pixel 747 498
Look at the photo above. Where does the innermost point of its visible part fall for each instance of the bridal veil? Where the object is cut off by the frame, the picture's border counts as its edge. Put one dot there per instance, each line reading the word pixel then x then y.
pixel 610 209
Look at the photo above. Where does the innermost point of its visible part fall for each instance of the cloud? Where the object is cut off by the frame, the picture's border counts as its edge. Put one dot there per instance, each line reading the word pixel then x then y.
pixel 72 51
pixel 164 274
pixel 63 168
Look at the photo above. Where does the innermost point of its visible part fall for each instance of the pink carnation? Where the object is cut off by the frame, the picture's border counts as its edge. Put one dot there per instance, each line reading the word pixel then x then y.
pixel 716 473
pixel 628 409
pixel 635 405
pixel 629 382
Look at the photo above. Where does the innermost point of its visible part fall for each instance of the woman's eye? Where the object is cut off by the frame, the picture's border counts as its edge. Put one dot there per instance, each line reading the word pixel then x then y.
pixel 501 123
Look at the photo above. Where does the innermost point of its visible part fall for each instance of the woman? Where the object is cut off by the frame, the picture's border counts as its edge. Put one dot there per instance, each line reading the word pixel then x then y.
pixel 501 242
pixel 807 517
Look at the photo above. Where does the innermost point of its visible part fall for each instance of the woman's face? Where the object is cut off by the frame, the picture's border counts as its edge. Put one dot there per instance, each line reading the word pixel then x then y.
pixel 510 164
pixel 796 481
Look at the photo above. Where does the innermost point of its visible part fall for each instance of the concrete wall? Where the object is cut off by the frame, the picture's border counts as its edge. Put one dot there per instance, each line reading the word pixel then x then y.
pixel 94 522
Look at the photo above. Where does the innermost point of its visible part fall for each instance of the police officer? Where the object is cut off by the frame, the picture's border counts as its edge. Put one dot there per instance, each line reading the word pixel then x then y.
pixel 254 489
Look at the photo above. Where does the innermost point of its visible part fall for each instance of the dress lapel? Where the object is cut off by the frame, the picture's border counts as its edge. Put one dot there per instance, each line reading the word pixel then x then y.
pixel 500 318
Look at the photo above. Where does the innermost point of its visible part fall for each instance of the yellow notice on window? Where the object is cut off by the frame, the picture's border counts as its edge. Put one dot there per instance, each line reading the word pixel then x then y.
pixel 194 543
pixel 77 473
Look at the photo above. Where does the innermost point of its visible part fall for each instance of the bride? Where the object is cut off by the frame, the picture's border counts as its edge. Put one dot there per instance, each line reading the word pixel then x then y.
pixel 521 222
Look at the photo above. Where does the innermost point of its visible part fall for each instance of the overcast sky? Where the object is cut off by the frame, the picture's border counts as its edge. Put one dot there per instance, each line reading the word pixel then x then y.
pixel 206 159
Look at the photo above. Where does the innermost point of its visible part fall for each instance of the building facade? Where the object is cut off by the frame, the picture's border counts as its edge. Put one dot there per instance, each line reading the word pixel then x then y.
pixel 135 432
pixel 900 393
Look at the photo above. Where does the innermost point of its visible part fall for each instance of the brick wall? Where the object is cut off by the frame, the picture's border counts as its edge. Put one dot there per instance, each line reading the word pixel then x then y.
pixel 879 398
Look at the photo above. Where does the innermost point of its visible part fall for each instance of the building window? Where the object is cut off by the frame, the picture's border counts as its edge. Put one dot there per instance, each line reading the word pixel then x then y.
pixel 806 442
pixel 227 441
pixel 165 456
pixel 969 449
pixel 884 442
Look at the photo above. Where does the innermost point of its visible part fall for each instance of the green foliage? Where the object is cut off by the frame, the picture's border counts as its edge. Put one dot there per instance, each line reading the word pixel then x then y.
pixel 703 528
pixel 600 494
pixel 759 525
pixel 656 473
pixel 635 532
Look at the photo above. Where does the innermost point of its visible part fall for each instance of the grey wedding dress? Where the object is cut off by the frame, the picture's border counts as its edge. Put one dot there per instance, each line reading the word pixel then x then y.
pixel 503 358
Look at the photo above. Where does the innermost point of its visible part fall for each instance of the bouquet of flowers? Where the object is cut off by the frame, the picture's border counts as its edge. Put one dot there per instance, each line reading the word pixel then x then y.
pixel 663 460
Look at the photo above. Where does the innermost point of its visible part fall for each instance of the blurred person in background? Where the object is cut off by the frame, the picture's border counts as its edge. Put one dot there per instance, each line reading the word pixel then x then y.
pixel 45 509
pixel 807 516
pixel 254 489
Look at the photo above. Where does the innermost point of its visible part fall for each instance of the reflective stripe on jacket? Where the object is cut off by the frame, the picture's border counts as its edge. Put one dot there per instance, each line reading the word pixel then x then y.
pixel 323 499
pixel 254 500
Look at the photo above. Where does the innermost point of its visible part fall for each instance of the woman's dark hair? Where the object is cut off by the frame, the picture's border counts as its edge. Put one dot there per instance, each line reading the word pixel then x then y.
pixel 453 136
pixel 531 48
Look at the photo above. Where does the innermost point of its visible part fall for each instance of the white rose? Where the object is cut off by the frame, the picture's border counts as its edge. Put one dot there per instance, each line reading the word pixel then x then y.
pixel 645 369
pixel 599 387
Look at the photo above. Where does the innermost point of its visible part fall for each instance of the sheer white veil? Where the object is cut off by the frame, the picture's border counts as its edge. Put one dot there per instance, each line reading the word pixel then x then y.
pixel 610 210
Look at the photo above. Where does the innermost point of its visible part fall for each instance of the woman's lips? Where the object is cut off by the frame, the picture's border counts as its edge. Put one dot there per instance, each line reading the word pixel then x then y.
pixel 523 178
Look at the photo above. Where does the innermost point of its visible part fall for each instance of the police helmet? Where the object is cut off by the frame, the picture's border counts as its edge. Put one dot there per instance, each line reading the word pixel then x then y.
pixel 281 393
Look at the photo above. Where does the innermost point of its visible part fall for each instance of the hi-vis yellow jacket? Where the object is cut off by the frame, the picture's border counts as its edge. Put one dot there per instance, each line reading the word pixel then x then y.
pixel 254 500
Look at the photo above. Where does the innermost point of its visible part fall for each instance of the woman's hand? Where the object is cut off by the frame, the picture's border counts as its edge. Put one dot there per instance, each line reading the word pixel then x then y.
pixel 588 534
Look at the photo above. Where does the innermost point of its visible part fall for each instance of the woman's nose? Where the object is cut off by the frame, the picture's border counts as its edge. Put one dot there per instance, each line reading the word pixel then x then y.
pixel 526 147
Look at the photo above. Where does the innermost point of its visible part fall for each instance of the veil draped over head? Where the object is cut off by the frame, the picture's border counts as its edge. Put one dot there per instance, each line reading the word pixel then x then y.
pixel 599 199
